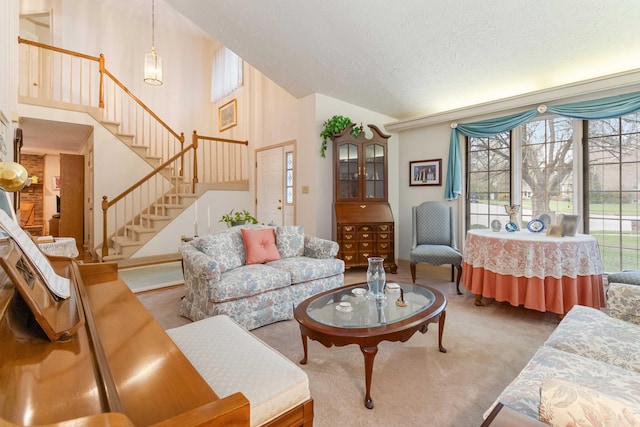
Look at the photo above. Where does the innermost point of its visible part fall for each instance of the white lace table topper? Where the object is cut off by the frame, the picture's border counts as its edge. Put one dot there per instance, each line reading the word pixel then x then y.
pixel 526 254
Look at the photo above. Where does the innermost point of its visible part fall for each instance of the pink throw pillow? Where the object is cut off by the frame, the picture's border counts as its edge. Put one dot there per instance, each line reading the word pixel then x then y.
pixel 260 245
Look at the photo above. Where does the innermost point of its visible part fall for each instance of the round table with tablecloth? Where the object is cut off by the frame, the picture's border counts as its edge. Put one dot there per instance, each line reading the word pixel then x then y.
pixel 537 271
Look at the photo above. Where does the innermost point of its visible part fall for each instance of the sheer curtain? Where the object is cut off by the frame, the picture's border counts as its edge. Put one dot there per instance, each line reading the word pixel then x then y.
pixel 226 74
pixel 605 108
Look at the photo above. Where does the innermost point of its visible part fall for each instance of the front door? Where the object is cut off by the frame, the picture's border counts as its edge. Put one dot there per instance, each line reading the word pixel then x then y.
pixel 274 185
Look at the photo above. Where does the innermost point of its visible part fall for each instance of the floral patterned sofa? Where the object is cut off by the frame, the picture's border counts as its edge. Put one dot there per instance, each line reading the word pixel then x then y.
pixel 587 373
pixel 223 274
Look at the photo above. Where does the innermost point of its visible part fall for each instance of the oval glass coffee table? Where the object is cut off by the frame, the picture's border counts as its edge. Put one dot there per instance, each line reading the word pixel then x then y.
pixel 339 317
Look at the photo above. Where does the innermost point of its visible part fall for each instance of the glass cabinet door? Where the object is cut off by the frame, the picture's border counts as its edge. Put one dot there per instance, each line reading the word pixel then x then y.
pixel 348 173
pixel 374 171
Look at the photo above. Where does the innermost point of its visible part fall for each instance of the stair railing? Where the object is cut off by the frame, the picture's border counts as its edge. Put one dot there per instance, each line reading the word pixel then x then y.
pixel 68 79
pixel 59 75
pixel 75 81
pixel 221 160
pixel 146 202
pixel 209 160
pixel 137 120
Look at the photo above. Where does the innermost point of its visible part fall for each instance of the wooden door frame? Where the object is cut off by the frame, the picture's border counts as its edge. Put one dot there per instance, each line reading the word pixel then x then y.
pixel 282 145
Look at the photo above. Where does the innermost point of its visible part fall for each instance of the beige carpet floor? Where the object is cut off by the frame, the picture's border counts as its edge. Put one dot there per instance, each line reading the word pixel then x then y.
pixel 413 383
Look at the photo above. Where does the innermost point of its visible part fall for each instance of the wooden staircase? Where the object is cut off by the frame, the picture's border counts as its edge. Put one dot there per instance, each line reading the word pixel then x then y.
pixel 149 224
pixel 134 217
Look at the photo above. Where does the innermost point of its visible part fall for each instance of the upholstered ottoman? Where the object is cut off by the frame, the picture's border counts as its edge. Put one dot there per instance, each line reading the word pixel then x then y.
pixel 231 359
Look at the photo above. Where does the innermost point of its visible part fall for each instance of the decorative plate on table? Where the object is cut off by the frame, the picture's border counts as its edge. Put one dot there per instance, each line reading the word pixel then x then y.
pixel 535 226
pixel 511 227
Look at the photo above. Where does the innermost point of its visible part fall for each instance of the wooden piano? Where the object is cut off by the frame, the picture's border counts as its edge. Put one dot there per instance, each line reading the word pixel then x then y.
pixel 97 358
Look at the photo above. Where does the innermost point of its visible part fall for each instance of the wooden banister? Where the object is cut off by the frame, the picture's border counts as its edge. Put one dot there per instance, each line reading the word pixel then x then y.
pixel 214 138
pixel 58 49
pixel 142 104
pixel 101 87
pixel 149 175
pixel 223 163
pixel 195 160
pixel 106 204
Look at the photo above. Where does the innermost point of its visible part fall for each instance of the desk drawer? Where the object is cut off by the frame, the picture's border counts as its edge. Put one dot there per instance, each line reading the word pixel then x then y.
pixel 385 228
pixel 384 246
pixel 348 246
pixel 366 246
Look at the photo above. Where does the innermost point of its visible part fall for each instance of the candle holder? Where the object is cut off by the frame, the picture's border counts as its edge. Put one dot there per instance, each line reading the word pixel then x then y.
pixel 376 278
pixel 195 234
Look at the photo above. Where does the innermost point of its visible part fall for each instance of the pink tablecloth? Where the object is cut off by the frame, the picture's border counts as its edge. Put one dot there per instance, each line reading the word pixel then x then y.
pixel 534 270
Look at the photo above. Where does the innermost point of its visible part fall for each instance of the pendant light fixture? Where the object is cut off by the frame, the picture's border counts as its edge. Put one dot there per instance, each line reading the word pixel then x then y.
pixel 152 61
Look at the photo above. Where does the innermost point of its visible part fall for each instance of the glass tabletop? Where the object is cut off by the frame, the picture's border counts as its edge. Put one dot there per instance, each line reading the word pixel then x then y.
pixel 344 309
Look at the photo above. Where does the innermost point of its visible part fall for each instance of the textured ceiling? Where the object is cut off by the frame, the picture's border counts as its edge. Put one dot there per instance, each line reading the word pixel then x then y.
pixel 414 57
pixel 405 58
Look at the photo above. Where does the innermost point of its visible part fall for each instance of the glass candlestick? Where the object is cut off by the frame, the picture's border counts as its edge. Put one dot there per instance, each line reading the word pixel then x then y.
pixel 195 234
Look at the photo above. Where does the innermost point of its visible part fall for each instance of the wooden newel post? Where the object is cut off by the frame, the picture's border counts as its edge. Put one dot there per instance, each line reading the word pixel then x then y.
pixel 101 100
pixel 195 160
pixel 105 206
pixel 182 156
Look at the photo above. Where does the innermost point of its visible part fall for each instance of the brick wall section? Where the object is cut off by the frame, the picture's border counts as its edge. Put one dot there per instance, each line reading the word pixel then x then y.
pixel 34 193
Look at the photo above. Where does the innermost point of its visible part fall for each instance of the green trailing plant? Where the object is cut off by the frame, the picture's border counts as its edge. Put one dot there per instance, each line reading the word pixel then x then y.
pixel 336 124
pixel 235 218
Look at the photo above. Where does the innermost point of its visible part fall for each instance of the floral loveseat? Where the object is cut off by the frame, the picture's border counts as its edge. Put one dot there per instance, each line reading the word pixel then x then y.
pixel 256 274
pixel 587 373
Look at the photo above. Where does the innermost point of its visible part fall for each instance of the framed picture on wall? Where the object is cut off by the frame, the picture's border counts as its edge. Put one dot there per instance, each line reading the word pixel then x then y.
pixel 56 182
pixel 227 115
pixel 425 172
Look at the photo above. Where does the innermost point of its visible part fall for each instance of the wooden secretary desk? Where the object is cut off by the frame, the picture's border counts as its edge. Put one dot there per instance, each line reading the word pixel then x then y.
pixel 364 224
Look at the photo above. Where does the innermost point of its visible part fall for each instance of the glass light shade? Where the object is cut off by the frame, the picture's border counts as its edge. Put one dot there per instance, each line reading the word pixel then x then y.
pixel 152 68
pixel 13 176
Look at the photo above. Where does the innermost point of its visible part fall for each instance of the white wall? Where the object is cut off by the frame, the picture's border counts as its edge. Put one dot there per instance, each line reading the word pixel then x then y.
pixel 111 28
pixel 425 143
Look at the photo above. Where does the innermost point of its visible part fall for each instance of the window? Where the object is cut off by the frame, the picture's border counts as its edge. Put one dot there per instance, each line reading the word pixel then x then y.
pixel 289 177
pixel 612 208
pixel 547 168
pixel 226 75
pixel 489 180
pixel 539 166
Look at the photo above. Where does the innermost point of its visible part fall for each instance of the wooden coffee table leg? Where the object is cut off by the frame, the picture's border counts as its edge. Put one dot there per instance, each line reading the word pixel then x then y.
pixel 304 345
pixel 369 354
pixel 443 316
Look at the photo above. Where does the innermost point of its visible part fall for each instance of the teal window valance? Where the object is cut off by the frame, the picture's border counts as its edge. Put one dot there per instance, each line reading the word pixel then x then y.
pixel 604 108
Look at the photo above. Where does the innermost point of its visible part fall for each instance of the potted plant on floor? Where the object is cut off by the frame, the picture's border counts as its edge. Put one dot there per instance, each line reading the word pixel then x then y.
pixel 238 218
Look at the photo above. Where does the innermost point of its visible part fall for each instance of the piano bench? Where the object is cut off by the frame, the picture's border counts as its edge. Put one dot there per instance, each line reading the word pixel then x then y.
pixel 231 360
